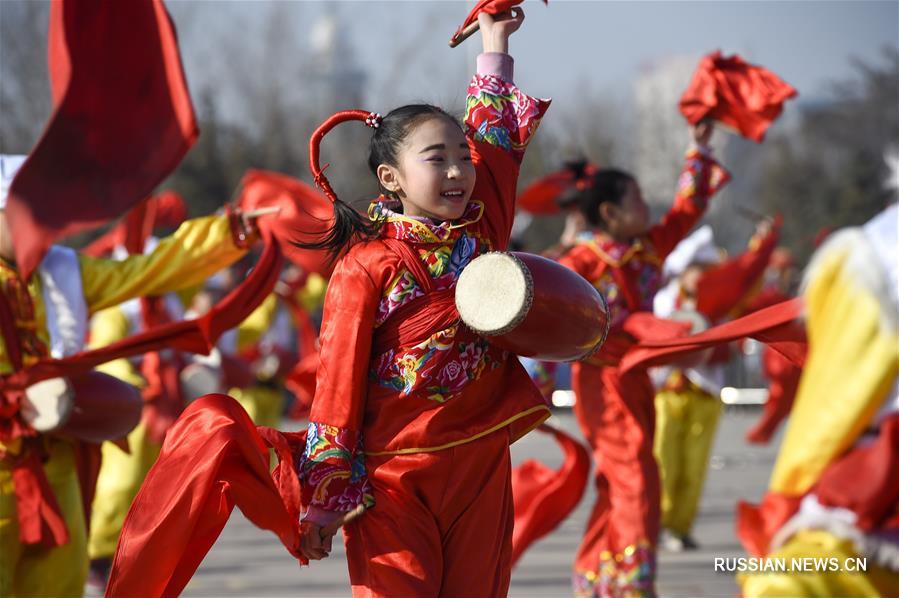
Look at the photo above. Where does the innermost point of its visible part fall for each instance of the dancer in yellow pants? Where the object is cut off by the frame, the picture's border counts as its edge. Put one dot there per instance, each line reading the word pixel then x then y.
pixel 686 420
pixel 196 250
pixel 272 328
pixel 688 404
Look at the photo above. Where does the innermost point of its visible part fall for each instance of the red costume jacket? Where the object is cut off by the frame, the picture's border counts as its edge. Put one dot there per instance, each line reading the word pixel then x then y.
pixel 629 274
pixel 398 370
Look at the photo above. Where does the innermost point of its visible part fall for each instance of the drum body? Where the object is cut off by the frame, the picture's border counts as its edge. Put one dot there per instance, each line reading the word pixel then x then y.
pixel 532 306
pixel 92 407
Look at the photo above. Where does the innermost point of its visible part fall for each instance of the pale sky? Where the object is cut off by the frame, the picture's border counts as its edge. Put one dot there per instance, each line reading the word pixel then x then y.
pixel 567 47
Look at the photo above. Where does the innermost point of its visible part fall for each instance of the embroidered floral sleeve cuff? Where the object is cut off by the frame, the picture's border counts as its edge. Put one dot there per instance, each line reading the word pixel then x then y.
pixel 498 113
pixel 332 470
pixel 701 178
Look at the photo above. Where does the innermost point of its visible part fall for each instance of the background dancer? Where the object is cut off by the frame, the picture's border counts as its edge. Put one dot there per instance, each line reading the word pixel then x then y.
pixel 623 260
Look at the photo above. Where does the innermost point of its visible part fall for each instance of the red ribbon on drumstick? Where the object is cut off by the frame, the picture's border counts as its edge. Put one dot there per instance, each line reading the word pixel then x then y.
pixel 470 25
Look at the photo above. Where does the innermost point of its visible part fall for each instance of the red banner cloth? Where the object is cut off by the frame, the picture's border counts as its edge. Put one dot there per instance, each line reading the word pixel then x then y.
pixel 123 120
pixel 212 459
pixel 776 326
pixel 305 216
pixel 723 286
pixel 544 497
pixel 740 95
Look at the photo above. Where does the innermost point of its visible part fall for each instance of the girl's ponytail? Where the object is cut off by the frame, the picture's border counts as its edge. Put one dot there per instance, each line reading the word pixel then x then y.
pixel 349 225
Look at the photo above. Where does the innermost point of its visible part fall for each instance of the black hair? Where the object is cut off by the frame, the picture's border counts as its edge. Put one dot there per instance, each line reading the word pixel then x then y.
pixel 392 132
pixel 578 169
pixel 607 185
pixel 350 225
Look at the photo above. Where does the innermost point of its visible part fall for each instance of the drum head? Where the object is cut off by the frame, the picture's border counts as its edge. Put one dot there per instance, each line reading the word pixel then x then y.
pixel 494 293
pixel 47 405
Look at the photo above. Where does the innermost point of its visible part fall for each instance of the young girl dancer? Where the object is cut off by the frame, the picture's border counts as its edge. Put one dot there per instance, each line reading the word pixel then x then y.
pixel 434 405
pixel 623 258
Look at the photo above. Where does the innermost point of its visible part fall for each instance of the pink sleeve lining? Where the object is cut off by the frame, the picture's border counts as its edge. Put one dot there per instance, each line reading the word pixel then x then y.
pixel 498 64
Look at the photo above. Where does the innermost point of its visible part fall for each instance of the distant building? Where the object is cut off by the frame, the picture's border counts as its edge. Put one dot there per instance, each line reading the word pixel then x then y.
pixel 335 81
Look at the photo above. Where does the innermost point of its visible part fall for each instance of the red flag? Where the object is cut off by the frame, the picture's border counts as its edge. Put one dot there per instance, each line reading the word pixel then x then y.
pixel 541 196
pixel 740 95
pixel 306 215
pixel 123 120
pixel 492 7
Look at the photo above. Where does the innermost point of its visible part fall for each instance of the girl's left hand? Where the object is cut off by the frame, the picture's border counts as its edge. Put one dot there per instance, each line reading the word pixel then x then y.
pixel 496 29
pixel 313 546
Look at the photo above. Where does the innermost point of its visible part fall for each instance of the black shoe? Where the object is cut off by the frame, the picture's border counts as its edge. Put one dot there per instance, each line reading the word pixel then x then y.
pixel 97 577
pixel 689 543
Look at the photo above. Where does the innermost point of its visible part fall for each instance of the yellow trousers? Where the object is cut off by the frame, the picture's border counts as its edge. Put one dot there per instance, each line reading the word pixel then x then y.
pixel 685 429
pixel 876 581
pixel 120 477
pixel 263 404
pixel 36 571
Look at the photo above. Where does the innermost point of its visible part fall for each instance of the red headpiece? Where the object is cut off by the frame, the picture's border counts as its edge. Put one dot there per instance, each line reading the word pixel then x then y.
pixel 372 119
pixel 543 195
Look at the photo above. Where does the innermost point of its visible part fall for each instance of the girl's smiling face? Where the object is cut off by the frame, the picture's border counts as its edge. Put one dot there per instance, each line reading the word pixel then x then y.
pixel 434 176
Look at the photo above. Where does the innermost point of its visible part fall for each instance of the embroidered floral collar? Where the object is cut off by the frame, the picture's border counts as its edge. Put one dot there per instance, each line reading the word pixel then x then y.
pixel 418 229
pixel 615 253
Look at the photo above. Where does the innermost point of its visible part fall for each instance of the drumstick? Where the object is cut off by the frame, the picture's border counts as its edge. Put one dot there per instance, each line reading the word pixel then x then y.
pixel 464 35
pixel 331 528
pixel 752 214
pixel 262 212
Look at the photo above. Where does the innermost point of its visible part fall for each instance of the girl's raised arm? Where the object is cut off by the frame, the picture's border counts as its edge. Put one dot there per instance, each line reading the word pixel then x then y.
pixel 496 111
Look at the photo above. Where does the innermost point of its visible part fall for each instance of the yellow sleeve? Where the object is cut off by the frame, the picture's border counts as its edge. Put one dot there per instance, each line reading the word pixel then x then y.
pixel 199 248
pixel 108 326
pixel 312 295
pixel 257 323
pixel 852 363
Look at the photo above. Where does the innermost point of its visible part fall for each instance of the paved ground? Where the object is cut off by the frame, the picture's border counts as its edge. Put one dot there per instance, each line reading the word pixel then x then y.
pixel 249 562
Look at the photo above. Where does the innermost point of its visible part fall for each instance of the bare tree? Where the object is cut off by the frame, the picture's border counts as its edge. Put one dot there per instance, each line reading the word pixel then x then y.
pixel 24 85
pixel 830 172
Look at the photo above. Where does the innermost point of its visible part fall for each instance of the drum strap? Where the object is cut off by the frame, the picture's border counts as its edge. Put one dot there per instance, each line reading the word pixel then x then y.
pixel 434 310
pixel 412 262
pixel 616 271
pixel 8 330
pixel 627 289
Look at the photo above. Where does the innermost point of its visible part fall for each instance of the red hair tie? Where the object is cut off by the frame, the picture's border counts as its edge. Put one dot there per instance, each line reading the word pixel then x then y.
pixel 371 119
